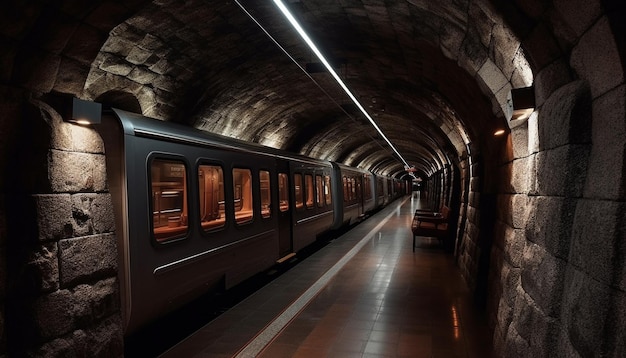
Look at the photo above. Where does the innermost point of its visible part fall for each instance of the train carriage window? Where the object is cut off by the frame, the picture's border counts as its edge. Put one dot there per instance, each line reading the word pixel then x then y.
pixel 297 182
pixel 353 195
pixel 169 199
pixel 266 197
pixel 283 192
pixel 211 197
pixel 308 179
pixel 242 181
pixel 368 186
pixel 319 190
pixel 346 190
pixel 327 191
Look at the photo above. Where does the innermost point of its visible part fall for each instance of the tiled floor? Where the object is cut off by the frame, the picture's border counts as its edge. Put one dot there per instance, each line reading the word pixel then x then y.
pixel 384 301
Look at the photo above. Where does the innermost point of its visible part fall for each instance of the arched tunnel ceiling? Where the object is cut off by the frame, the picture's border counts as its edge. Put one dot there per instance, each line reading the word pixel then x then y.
pixel 433 75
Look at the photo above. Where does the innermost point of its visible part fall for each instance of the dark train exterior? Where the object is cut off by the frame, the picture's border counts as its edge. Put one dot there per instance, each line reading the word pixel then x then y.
pixel 196 211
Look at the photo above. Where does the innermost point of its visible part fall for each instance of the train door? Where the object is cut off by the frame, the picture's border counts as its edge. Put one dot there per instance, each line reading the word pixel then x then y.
pixel 284 212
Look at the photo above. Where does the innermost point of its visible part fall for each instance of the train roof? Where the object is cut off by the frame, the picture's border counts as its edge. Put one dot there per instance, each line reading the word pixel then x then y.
pixel 134 124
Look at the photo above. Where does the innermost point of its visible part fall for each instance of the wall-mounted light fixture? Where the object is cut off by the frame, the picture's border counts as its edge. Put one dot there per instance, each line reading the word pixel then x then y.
pixel 520 103
pixel 85 112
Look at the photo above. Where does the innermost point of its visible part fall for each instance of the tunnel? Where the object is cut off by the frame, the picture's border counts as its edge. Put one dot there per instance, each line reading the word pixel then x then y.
pixel 511 113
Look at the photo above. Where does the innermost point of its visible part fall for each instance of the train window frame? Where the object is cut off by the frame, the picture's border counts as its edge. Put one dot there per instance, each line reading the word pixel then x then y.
pixel 298 199
pixel 309 191
pixel 283 192
pixel 319 190
pixel 222 208
pixel 328 191
pixel 266 211
pixel 173 227
pixel 241 191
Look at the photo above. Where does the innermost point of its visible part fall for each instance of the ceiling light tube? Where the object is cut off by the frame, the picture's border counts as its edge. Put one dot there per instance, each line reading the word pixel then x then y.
pixel 330 69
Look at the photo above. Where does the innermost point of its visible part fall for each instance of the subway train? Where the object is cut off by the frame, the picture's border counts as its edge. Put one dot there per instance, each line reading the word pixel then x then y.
pixel 196 211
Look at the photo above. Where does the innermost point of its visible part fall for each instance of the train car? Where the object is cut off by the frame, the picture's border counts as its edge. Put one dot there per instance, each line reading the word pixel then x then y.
pixel 313 201
pixel 381 191
pixel 196 211
pixel 356 194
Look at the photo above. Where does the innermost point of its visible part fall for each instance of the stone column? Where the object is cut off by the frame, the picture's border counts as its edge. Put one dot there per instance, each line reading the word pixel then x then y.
pixel 63 298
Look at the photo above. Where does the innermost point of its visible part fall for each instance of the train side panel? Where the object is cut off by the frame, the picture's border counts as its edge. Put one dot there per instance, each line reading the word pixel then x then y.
pixel 174 245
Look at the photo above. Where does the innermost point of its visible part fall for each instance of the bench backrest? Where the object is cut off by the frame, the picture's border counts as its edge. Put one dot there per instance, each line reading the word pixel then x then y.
pixel 445 211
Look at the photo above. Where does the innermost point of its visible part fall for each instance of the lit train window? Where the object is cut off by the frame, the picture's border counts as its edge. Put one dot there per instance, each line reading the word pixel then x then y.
pixel 242 181
pixel 211 197
pixel 297 182
pixel 346 190
pixel 169 199
pixel 266 197
pixel 327 191
pixel 353 196
pixel 283 191
pixel 308 179
pixel 319 190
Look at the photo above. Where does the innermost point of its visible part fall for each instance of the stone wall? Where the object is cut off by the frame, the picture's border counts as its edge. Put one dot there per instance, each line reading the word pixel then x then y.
pixel 63 295
pixel 557 265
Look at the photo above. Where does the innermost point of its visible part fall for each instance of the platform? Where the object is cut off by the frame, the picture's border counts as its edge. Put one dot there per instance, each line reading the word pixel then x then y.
pixel 364 294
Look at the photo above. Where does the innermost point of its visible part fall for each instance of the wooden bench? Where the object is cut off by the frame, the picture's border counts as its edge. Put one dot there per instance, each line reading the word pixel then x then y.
pixel 430 224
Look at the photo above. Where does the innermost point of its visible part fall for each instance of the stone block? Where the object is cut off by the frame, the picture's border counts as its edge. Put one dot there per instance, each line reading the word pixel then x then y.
pixel 41 270
pixel 53 314
pixel 510 280
pixel 596 59
pixel 85 43
pixel 61 312
pixel 585 308
pixel 608 155
pixel 96 302
pixel 116 66
pixel 76 172
pixel 451 37
pixel 549 79
pixel 532 124
pixel 550 224
pixel 491 75
pixel 71 76
pixel 541 47
pixel 522 175
pixel 504 43
pixel 92 214
pixel 116 46
pixel 87 258
pixel 576 20
pixel 138 55
pixel 54 216
pixel 514 247
pixel 597 238
pixel 542 278
pixel 562 171
pixel 565 117
pixel 70 137
pixel 473 53
pixel 519 141
pixel 515 345
pixel 142 75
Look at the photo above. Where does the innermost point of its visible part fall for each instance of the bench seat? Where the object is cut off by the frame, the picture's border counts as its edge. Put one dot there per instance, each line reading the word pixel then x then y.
pixel 430 224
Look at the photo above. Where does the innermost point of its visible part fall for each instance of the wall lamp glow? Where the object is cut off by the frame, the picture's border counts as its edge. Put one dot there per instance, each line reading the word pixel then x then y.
pixel 330 69
pixel 520 103
pixel 85 112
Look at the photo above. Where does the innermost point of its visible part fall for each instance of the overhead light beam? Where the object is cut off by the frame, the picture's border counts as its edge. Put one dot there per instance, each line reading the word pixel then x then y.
pixel 330 69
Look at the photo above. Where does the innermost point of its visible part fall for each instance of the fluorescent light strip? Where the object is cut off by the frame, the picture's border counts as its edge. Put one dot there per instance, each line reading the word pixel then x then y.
pixel 319 55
